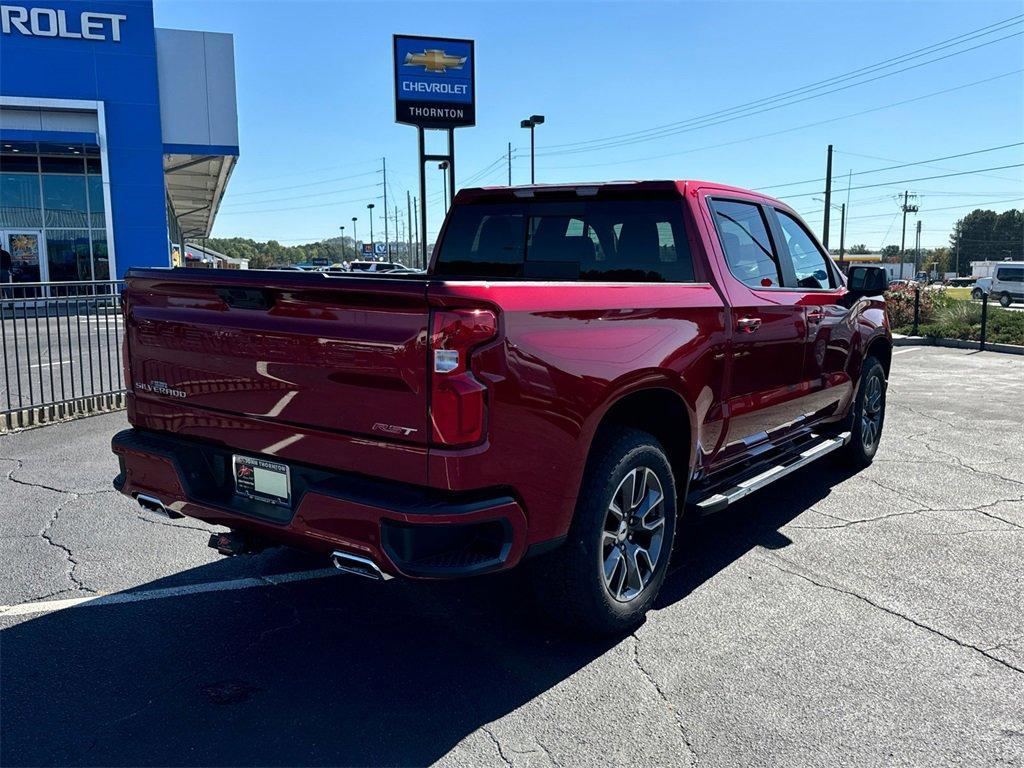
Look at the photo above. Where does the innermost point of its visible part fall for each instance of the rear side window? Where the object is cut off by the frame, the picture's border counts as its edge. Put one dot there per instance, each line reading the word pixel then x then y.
pixel 748 248
pixel 1010 274
pixel 599 240
pixel 809 264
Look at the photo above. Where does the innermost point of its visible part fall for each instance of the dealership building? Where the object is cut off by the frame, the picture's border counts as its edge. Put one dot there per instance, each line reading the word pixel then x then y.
pixel 117 139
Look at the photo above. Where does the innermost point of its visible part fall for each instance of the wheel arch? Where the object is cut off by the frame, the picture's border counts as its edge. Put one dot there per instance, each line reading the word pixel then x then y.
pixel 881 348
pixel 662 412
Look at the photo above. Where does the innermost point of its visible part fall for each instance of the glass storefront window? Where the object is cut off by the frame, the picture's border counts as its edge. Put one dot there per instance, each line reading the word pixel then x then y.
pixel 67 254
pixel 95 186
pixel 56 190
pixel 100 260
pixel 65 201
pixel 19 200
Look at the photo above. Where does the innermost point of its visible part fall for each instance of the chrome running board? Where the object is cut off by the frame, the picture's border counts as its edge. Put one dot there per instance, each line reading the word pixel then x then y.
pixel 716 502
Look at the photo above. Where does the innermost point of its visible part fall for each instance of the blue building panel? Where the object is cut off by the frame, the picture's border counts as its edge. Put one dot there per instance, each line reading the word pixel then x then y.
pixel 103 52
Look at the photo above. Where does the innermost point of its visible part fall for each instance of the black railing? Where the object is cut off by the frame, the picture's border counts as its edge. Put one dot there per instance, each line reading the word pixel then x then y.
pixel 61 346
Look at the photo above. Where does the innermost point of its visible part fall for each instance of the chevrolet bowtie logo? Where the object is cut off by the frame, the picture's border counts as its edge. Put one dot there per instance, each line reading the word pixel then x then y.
pixel 434 61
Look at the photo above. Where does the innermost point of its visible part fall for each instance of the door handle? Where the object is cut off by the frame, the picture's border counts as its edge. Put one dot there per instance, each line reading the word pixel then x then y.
pixel 748 324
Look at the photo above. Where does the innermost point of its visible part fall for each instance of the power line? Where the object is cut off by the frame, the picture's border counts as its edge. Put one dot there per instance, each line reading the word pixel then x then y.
pixel 300 207
pixel 989 29
pixel 977 204
pixel 922 178
pixel 308 184
pixel 300 197
pixel 770 134
pixel 315 170
pixel 709 121
pixel 893 160
pixel 894 167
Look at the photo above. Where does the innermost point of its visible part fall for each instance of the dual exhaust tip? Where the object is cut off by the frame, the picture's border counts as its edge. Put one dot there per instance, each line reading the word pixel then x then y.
pixel 343 561
pixel 153 504
pixel 360 566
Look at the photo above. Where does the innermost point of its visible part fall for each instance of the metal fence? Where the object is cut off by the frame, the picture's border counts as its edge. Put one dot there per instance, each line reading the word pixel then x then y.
pixel 61 346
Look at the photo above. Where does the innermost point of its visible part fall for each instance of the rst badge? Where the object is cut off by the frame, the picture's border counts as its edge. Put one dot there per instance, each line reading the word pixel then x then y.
pixel 394 429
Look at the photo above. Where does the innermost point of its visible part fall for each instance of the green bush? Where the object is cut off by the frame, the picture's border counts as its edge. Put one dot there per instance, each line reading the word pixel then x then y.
pixel 899 303
pixel 1004 326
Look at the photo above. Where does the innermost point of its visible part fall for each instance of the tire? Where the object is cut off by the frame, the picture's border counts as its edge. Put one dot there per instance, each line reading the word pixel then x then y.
pixel 867 417
pixel 570 583
pixel 977 294
pixel 1005 300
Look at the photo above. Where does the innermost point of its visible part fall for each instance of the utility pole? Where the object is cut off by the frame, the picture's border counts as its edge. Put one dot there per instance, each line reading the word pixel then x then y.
pixel 387 242
pixel 958 249
pixel 917 250
pixel 396 229
pixel 842 233
pixel 416 224
pixel 510 163
pixel 828 197
pixel 408 232
pixel 907 207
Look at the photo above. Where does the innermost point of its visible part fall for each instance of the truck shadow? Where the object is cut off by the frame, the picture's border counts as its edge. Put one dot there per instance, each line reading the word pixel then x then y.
pixel 331 671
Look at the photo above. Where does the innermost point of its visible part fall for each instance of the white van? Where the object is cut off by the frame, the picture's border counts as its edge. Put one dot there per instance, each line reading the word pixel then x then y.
pixel 1008 283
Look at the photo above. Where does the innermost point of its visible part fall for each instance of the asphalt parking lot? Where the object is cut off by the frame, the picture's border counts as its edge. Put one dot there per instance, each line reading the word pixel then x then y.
pixel 837 619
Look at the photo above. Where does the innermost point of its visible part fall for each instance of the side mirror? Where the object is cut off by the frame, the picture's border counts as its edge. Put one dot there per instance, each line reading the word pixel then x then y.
pixel 866 281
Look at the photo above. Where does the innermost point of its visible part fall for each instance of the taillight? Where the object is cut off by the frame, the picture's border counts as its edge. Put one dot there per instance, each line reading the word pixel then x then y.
pixel 458 400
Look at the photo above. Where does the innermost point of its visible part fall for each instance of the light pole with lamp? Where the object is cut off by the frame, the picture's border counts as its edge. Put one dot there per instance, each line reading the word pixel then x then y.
pixel 373 250
pixel 532 123
pixel 355 239
pixel 342 228
pixel 443 167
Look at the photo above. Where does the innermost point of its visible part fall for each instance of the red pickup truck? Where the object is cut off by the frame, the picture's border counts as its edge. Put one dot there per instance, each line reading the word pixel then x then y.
pixel 579 366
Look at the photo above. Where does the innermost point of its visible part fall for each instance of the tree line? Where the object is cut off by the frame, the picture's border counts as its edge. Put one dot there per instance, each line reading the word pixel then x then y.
pixel 271 253
pixel 981 235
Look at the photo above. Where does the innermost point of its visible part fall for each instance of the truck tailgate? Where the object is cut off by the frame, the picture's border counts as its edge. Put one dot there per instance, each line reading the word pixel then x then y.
pixel 337 354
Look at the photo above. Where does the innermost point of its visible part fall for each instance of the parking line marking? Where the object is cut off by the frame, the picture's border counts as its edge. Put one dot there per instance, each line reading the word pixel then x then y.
pixel 118 598
pixel 908 349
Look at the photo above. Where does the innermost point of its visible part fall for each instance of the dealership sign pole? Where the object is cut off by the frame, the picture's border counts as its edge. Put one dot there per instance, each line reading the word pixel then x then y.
pixel 435 89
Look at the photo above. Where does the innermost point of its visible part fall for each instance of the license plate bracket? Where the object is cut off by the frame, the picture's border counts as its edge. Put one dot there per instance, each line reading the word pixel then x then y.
pixel 262 480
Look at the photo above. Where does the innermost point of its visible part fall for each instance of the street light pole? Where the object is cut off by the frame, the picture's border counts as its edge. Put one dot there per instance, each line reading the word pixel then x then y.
pixel 532 122
pixel 443 166
pixel 355 237
pixel 373 249
pixel 342 242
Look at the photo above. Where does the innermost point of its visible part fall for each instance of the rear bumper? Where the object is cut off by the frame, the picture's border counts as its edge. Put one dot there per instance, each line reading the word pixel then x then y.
pixel 407 530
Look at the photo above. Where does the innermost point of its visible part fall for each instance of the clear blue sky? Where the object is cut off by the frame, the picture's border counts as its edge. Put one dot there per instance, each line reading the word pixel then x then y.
pixel 315 103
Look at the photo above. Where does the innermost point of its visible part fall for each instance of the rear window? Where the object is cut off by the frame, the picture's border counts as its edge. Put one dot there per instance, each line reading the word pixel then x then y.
pixel 609 240
pixel 1010 274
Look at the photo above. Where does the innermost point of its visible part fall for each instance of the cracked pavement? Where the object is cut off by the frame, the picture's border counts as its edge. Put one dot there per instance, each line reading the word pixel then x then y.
pixel 838 618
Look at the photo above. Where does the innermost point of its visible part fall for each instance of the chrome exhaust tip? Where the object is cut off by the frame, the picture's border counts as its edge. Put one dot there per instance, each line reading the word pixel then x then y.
pixel 153 504
pixel 360 566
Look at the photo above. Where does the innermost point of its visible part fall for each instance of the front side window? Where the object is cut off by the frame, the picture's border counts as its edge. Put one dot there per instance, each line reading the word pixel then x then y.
pixel 748 248
pixel 1010 274
pixel 809 264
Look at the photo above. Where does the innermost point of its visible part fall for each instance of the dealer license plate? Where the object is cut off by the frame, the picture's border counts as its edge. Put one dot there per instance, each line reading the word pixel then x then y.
pixel 262 480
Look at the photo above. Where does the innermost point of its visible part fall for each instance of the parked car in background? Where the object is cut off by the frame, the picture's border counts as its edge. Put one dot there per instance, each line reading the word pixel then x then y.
pixel 374 266
pixel 903 282
pixel 579 366
pixel 1008 283
pixel 982 286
